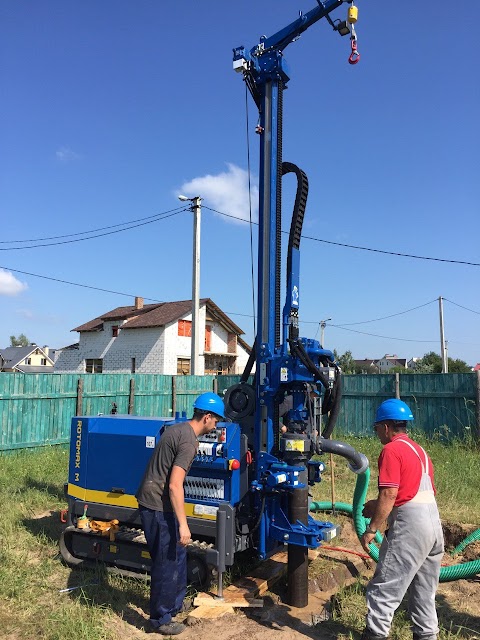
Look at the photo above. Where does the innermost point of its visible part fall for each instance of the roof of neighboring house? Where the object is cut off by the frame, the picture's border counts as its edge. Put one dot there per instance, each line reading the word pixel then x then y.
pixel 11 356
pixel 30 368
pixel 156 315
pixel 369 361
pixel 399 362
pixel 69 347
pixel 477 367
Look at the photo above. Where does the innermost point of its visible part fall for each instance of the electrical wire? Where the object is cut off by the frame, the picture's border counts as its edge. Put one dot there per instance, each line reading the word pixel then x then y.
pixel 377 336
pixel 99 235
pixel 81 233
pixel 349 324
pixel 353 246
pixel 462 307
pixel 76 284
pixel 232 313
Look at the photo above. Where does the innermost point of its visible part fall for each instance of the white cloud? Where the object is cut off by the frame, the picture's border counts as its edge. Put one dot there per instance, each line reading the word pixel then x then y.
pixel 64 154
pixel 227 192
pixel 25 313
pixel 9 285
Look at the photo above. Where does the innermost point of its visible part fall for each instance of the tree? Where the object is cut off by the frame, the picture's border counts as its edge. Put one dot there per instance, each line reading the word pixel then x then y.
pixel 345 362
pixel 458 366
pixel 400 369
pixel 21 341
pixel 432 363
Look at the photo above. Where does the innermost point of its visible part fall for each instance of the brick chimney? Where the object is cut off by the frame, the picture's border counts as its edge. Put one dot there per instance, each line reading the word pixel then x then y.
pixel 138 303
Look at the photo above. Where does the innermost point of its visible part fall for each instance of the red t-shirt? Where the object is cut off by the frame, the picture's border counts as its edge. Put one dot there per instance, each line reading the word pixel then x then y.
pixel 400 467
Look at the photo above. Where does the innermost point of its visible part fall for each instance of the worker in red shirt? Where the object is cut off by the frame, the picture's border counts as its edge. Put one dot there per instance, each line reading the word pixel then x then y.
pixel 413 546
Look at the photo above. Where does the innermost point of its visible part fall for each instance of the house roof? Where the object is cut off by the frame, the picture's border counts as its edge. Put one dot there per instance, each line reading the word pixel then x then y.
pixel 156 315
pixel 13 355
pixel 30 368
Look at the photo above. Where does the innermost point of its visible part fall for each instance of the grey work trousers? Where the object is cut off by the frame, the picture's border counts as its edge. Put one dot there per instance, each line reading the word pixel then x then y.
pixel 410 558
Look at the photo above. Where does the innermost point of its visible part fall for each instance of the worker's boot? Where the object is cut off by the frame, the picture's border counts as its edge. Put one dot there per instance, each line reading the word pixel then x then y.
pixel 168 629
pixel 369 635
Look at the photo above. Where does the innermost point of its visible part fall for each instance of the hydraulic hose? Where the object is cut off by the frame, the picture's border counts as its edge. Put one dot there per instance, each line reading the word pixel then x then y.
pixel 447 574
pixel 358 462
pixel 335 410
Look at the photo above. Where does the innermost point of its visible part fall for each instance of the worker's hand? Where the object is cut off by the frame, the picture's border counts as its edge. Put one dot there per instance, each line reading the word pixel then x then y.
pixel 366 539
pixel 185 535
pixel 369 508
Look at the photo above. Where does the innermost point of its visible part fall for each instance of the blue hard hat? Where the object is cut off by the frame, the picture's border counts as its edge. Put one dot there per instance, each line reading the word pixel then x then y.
pixel 393 409
pixel 210 402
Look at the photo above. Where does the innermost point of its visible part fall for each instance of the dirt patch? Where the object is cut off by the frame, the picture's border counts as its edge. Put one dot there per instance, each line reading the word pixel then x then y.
pixel 455 532
pixel 458 602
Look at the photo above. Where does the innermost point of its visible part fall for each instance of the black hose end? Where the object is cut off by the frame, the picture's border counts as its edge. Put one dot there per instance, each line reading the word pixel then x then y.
pixel 360 465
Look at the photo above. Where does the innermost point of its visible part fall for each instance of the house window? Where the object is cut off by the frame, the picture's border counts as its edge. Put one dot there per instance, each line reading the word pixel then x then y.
pixel 93 365
pixel 115 331
pixel 208 337
pixel 185 328
pixel 43 361
pixel 183 366
pixel 28 361
pixel 218 365
pixel 133 368
pixel 232 343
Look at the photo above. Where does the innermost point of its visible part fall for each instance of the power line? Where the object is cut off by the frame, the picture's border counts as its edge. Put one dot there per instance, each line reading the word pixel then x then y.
pixel 400 313
pixel 462 307
pixel 377 336
pixel 353 246
pixel 99 235
pixel 233 313
pixel 75 284
pixel 349 324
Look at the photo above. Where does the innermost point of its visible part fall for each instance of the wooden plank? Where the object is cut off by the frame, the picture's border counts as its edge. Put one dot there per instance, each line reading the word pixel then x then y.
pixel 206 611
pixel 230 599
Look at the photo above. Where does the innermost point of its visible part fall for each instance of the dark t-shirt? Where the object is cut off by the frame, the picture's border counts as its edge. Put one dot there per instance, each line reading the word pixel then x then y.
pixel 177 447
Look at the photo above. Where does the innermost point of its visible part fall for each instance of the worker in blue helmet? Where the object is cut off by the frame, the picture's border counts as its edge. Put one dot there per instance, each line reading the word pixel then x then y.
pixel 161 500
pixel 412 548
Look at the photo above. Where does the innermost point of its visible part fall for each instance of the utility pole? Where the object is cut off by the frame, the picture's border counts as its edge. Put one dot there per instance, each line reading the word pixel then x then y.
pixel 323 324
pixel 197 217
pixel 442 338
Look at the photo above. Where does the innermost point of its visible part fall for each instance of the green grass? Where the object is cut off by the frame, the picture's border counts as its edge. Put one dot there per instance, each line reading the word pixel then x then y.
pixel 31 574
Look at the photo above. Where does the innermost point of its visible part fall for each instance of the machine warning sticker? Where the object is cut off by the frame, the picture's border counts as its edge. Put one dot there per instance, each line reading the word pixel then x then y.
pixel 204 510
pixel 145 554
pixel 283 374
pixel 113 548
pixel 294 445
pixel 150 442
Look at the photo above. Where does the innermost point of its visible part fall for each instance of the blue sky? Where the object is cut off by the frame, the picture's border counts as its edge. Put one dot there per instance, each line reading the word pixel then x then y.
pixel 110 109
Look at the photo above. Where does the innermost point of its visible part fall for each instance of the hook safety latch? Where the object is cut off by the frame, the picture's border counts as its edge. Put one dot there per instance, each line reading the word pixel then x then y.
pixel 354 56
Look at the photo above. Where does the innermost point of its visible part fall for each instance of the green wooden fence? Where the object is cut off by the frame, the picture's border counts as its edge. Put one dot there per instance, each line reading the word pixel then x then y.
pixel 36 410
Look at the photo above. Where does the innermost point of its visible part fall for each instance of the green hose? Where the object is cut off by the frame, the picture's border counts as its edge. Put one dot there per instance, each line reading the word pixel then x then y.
pixel 447 574
pixel 473 537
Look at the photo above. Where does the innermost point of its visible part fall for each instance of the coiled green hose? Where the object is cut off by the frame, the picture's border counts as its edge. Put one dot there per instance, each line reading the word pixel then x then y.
pixel 447 574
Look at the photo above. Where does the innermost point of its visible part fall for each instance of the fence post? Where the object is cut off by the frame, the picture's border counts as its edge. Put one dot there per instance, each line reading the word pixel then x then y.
pixel 477 404
pixel 131 396
pixel 174 395
pixel 78 408
pixel 397 385
pixel 215 385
